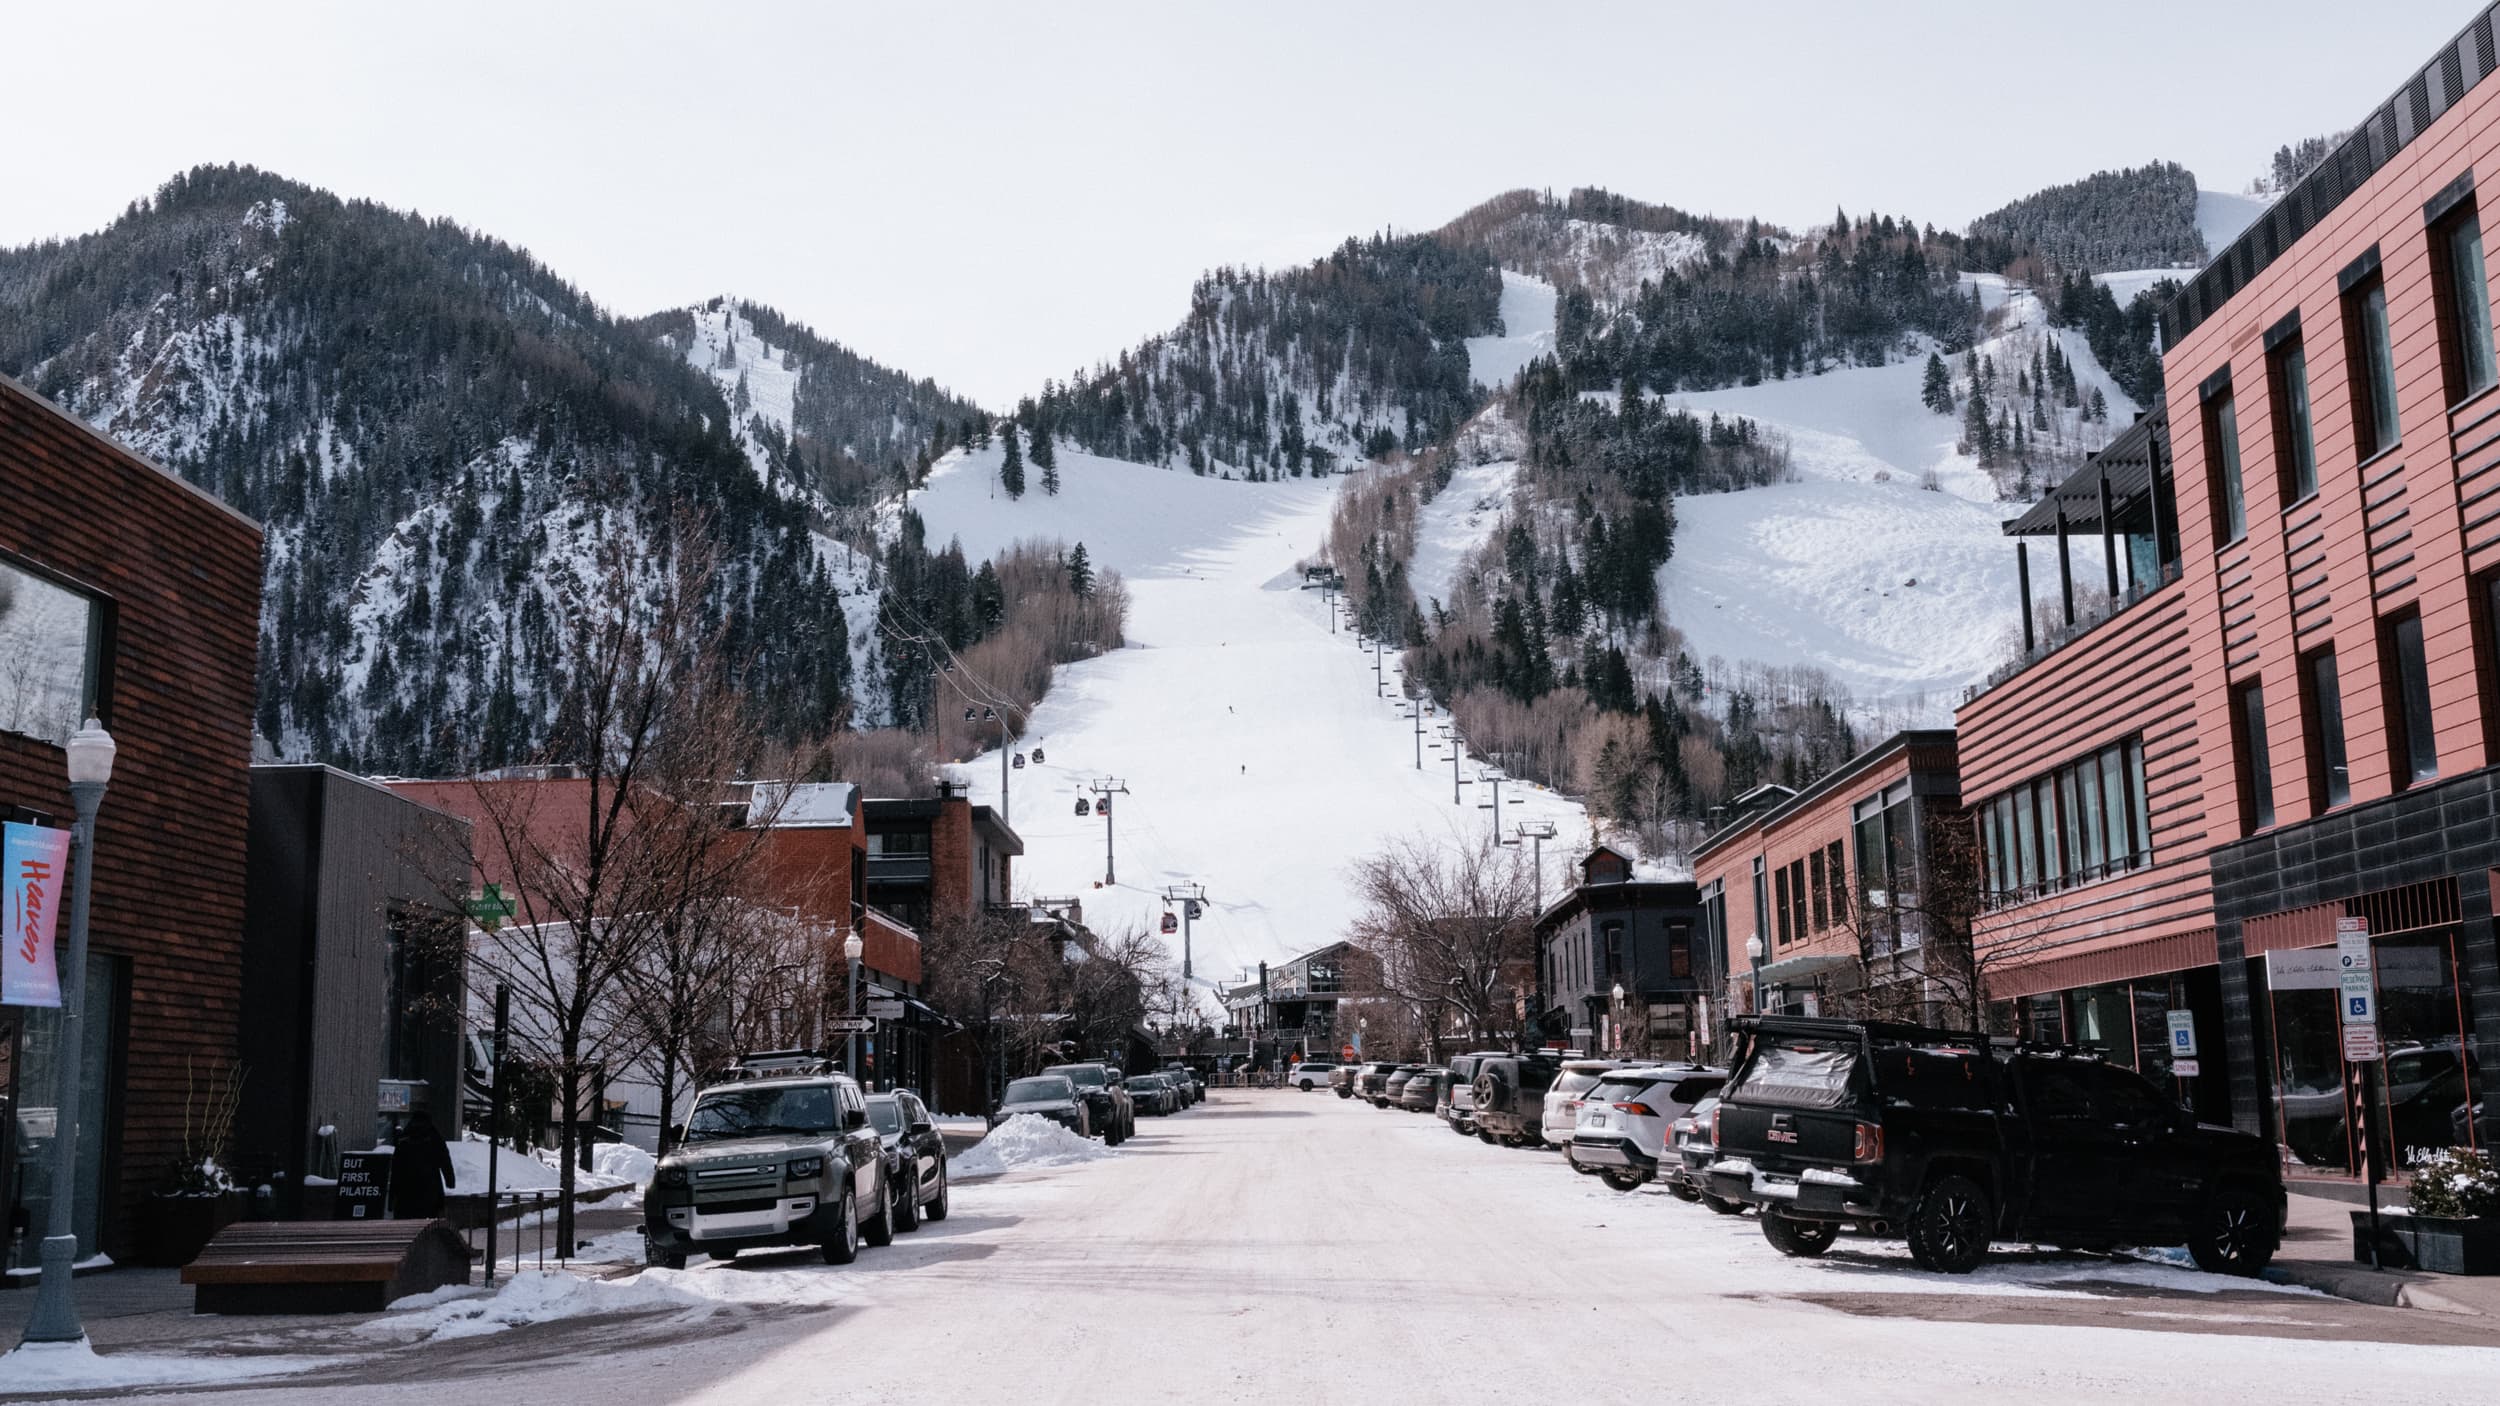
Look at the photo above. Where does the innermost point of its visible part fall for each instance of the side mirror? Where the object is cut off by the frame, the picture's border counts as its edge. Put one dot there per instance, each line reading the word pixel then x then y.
pixel 923 1126
pixel 855 1118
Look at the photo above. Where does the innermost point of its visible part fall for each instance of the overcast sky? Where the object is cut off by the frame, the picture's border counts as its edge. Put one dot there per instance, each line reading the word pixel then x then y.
pixel 994 194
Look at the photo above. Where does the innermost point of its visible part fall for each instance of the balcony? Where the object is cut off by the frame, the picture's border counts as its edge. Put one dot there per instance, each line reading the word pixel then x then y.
pixel 898 869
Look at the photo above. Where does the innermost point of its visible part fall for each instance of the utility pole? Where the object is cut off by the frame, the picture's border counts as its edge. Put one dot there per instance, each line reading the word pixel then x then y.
pixel 1188 896
pixel 1104 788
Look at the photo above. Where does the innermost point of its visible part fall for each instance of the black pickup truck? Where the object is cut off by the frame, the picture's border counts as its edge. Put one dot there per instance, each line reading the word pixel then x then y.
pixel 1953 1140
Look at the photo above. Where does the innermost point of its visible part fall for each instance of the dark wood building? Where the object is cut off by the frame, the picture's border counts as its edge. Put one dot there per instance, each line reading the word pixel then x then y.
pixel 131 596
pixel 354 966
pixel 1616 932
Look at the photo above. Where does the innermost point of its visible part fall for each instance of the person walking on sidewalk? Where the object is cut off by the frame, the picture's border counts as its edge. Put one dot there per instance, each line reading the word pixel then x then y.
pixel 420 1169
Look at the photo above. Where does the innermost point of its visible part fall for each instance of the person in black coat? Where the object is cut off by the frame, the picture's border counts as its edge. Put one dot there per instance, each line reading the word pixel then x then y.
pixel 420 1169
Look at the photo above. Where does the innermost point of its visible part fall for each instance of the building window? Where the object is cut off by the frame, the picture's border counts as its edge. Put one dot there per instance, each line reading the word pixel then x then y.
pixel 51 655
pixel 1840 885
pixel 2464 301
pixel 1614 950
pixel 2083 821
pixel 1797 898
pixel 1679 951
pixel 2372 367
pixel 2222 467
pixel 1780 885
pixel 885 842
pixel 2322 715
pixel 2256 775
pixel 1761 905
pixel 2295 439
pixel 1822 902
pixel 2413 749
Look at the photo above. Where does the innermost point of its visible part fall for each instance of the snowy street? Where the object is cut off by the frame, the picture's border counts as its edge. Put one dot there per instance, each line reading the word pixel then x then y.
pixel 1274 1244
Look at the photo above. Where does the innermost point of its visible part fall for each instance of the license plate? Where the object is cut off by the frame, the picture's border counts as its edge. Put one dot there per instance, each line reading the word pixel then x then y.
pixel 1597 1120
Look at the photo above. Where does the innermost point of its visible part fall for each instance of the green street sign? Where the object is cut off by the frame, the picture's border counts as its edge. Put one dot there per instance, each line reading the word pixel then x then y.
pixel 490 907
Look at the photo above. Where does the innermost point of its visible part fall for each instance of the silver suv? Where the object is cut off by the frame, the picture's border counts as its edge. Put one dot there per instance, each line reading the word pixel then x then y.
pixel 786 1160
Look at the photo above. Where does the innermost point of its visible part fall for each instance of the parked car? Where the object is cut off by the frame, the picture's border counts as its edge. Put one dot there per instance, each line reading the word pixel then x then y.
pixel 1943 1138
pixel 769 1162
pixel 915 1156
pixel 1424 1089
pixel 1687 1174
pixel 1373 1079
pixel 1151 1095
pixel 1343 1079
pixel 1460 1110
pixel 1510 1094
pixel 1560 1112
pixel 1307 1076
pixel 1052 1096
pixel 1626 1117
pixel 1193 1088
pixel 1394 1087
pixel 1115 1115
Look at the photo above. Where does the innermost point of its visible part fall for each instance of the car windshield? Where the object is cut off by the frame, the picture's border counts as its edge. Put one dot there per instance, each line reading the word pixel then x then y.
pixel 886 1116
pixel 1089 1075
pixel 1574 1081
pixel 1142 1082
pixel 1620 1090
pixel 1798 1075
pixel 807 1110
pixel 1054 1089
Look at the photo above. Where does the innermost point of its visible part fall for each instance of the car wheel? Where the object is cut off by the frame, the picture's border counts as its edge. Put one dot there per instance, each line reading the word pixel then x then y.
pixel 2236 1234
pixel 843 1246
pixel 1950 1226
pixel 1801 1238
pixel 937 1203
pixel 1624 1178
pixel 879 1230
pixel 1489 1139
pixel 1722 1205
pixel 1681 1192
pixel 724 1254
pixel 907 1211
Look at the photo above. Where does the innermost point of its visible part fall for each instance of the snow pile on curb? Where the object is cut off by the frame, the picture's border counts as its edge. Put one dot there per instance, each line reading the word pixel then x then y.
pixel 1027 1140
pixel 544 1296
pixel 622 1161
pixel 76 1366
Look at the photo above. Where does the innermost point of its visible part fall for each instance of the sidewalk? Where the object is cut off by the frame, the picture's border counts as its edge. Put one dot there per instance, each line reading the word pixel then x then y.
pixel 2317 1254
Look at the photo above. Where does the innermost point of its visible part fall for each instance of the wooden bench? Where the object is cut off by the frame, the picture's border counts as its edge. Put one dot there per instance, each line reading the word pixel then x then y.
pixel 325 1266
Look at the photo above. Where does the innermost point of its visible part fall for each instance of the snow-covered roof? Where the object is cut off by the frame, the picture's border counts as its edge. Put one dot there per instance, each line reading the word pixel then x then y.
pixel 823 805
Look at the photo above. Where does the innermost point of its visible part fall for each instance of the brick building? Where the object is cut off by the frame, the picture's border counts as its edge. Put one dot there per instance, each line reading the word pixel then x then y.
pixel 2291 716
pixel 129 595
pixel 1849 887
pixel 938 858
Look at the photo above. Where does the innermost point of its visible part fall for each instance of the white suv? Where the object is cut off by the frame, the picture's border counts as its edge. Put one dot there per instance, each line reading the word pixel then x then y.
pixel 1562 1102
pixel 1626 1116
pixel 1307 1075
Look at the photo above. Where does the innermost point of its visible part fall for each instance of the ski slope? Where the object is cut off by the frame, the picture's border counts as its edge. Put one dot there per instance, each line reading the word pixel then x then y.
pixel 1259 758
pixel 1527 310
pixel 1456 522
pixel 1903 593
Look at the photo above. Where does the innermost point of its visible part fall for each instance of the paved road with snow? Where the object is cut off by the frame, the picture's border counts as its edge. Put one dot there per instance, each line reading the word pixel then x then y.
pixel 1280 1245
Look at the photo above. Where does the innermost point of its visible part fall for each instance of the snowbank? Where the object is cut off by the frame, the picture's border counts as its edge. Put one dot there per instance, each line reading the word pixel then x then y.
pixel 35 1367
pixel 622 1161
pixel 543 1296
pixel 1025 1141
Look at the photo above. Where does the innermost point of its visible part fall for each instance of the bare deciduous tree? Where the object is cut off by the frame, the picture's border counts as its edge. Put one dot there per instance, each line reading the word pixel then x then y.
pixel 1451 926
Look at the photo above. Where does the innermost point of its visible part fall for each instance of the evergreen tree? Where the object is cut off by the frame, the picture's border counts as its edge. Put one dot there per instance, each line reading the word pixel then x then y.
pixel 2099 412
pixel 1978 429
pixel 1046 459
pixel 1081 573
pixel 1936 392
pixel 1011 466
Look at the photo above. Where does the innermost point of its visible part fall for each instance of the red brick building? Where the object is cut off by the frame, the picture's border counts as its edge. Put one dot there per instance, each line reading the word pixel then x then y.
pixel 129 595
pixel 1845 885
pixel 2290 718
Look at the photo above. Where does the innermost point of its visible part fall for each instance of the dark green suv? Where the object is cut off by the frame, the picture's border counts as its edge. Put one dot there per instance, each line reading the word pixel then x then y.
pixel 772 1162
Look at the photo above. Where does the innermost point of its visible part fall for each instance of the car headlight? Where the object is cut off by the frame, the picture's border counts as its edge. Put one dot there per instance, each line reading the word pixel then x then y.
pixel 672 1176
pixel 804 1167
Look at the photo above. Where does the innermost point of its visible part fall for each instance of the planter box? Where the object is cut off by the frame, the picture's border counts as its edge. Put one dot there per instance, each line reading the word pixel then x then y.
pixel 172 1229
pixel 2433 1243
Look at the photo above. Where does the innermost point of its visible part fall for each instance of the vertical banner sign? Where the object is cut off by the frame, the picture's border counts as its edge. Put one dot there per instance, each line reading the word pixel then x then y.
pixel 34 864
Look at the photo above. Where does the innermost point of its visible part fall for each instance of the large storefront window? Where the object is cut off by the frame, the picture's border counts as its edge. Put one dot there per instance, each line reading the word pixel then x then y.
pixel 2128 1023
pixel 2426 1080
pixel 34 1120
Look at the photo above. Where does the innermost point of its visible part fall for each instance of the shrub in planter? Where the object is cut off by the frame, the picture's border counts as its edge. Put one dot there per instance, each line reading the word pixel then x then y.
pixel 2456 1184
pixel 2454 1224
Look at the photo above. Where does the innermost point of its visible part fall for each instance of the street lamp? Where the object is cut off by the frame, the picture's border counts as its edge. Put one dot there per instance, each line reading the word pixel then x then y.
pixel 1754 954
pixel 55 1315
pixel 851 948
pixel 1617 1012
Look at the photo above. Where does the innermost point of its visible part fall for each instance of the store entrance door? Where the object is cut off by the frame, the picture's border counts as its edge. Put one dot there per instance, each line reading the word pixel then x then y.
pixel 2427 1082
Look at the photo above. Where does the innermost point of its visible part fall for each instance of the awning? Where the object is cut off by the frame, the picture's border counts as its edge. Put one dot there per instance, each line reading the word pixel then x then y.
pixel 1790 970
pixel 2127 464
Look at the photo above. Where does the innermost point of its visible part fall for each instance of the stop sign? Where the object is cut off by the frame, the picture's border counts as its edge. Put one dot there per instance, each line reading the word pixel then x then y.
pixel 1346 1053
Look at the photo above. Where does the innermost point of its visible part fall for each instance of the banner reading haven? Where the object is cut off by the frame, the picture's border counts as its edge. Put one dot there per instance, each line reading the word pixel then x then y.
pixel 34 866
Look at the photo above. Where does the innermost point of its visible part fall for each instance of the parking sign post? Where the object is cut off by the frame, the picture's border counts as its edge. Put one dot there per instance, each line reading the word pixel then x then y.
pixel 2356 1000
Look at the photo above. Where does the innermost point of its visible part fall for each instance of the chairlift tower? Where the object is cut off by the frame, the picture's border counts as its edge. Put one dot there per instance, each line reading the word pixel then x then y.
pixel 1189 896
pixel 1104 788
pixel 1536 832
pixel 1493 777
pixel 1458 752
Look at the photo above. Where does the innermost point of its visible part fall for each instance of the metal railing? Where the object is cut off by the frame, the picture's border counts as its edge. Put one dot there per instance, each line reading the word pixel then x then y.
pixel 531 1217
